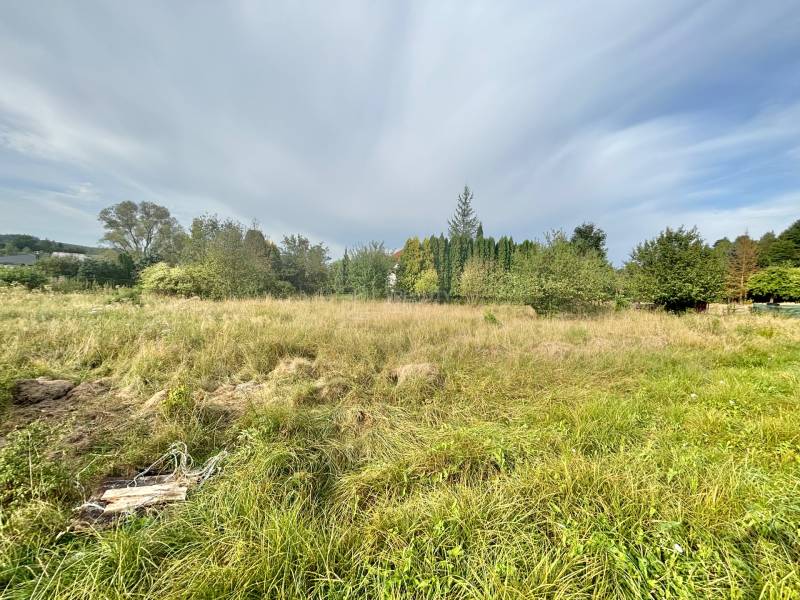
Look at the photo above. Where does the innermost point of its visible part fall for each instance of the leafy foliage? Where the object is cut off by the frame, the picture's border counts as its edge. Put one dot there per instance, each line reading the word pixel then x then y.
pixel 106 272
pixel 304 265
pixel 59 267
pixel 427 284
pixel 142 230
pixel 676 270
pixel 340 275
pixel 478 281
pixel 29 277
pixel 369 270
pixel 185 281
pixel 775 284
pixel 223 259
pixel 783 249
pixel 588 237
pixel 559 276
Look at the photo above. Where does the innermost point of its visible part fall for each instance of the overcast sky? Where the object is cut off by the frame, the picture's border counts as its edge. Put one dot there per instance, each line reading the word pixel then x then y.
pixel 351 121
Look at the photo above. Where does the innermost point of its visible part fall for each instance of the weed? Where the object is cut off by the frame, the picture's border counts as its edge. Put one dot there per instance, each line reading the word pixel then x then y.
pixel 179 403
pixel 490 318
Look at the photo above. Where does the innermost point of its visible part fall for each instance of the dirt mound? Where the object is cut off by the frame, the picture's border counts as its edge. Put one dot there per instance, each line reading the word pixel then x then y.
pixel 329 389
pixel 33 391
pixel 229 402
pixel 421 372
pixel 86 410
pixel 297 367
pixel 88 391
pixel 151 406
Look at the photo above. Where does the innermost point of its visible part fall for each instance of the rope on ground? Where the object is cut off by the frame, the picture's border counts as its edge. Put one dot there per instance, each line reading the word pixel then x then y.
pixel 178 456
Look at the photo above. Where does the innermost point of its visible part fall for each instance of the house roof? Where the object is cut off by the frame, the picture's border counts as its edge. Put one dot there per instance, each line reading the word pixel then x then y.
pixel 18 259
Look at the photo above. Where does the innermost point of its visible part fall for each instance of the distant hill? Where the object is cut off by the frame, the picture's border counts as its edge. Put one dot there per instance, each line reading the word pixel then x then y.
pixel 18 243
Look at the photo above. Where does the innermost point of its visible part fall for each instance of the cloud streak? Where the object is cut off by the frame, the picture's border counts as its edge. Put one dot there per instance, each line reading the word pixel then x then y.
pixel 361 120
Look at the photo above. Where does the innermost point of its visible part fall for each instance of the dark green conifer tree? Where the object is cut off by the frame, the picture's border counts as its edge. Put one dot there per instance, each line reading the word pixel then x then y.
pixel 464 222
pixel 505 250
pixel 446 266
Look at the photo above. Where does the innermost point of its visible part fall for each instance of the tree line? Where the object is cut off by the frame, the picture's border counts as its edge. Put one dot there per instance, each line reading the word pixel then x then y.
pixel 11 244
pixel 222 258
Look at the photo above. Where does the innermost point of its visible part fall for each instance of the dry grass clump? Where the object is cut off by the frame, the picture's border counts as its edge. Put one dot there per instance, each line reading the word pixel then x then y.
pixel 627 455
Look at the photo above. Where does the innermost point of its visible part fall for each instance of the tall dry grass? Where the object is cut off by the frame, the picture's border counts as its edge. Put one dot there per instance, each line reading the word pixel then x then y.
pixel 627 455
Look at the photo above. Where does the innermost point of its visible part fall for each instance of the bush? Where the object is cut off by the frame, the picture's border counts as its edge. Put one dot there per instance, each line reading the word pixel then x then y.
pixel 369 270
pixel 30 277
pixel 188 281
pixel 775 284
pixel 427 284
pixel 676 270
pixel 105 272
pixel 126 296
pixel 59 267
pixel 559 277
pixel 478 281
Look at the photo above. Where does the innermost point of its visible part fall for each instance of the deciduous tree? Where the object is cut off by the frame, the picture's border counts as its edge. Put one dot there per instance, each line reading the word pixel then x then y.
pixel 775 284
pixel 369 270
pixel 142 230
pixel 588 237
pixel 676 270
pixel 304 265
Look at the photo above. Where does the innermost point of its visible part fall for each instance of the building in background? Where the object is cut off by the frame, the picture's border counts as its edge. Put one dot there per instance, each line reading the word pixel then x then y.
pixel 18 260
pixel 73 255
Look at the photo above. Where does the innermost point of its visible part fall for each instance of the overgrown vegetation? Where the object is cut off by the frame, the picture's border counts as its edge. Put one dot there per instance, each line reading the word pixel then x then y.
pixel 628 455
pixel 221 259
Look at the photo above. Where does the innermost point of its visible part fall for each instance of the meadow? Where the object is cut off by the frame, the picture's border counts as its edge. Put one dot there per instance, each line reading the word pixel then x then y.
pixel 626 455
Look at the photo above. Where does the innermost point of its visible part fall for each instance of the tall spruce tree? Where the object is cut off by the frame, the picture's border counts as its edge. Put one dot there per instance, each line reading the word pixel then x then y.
pixel 464 222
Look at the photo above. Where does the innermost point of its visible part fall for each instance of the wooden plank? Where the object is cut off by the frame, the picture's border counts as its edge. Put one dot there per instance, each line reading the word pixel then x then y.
pixel 131 498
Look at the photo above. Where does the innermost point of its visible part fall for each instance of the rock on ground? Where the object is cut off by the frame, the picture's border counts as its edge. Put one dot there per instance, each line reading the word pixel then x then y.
pixel 425 372
pixel 33 391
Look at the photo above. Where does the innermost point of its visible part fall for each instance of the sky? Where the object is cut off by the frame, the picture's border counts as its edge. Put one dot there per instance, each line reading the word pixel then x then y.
pixel 352 121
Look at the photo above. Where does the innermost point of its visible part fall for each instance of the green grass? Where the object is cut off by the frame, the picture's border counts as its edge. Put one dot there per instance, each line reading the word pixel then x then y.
pixel 629 455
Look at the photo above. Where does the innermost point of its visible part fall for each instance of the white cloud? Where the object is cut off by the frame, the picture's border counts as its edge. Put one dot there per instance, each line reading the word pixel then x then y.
pixel 363 120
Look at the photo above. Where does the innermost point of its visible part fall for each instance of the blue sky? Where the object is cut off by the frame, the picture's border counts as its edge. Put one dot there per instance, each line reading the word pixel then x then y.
pixel 351 121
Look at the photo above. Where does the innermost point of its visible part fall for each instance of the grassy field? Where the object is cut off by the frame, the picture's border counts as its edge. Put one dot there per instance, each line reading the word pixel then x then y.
pixel 631 455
